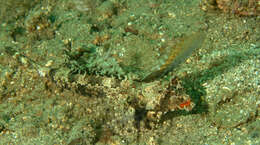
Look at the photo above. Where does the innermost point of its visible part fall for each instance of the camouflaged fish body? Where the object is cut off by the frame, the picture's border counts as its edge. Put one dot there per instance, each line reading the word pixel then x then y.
pixel 178 55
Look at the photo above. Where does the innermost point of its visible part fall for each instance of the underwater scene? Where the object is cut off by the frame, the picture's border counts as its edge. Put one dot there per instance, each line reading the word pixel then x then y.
pixel 130 72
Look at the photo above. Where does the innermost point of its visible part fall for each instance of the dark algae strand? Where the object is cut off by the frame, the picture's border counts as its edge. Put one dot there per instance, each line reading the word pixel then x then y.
pixel 178 54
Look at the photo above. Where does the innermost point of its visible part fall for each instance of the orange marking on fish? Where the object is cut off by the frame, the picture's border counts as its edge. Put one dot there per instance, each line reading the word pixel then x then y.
pixel 185 104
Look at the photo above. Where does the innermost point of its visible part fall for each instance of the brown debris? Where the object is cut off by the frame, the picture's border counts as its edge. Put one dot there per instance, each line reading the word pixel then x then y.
pixel 238 7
